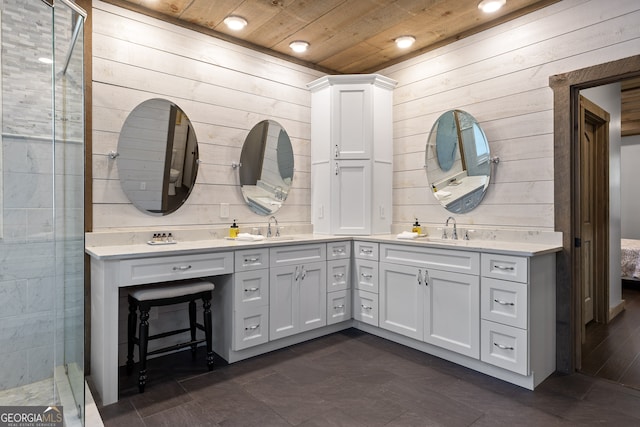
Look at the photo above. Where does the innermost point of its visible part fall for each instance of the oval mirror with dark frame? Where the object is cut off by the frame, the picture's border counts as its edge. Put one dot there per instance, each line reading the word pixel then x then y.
pixel 157 157
pixel 458 161
pixel 266 167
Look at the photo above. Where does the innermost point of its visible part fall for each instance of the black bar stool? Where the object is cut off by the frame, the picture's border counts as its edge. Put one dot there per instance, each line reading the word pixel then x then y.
pixel 168 294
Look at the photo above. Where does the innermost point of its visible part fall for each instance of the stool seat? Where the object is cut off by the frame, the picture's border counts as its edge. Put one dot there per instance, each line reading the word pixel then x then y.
pixel 162 294
pixel 172 291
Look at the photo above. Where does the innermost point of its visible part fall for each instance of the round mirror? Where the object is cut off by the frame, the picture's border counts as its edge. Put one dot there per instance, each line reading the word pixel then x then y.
pixel 266 167
pixel 157 157
pixel 458 161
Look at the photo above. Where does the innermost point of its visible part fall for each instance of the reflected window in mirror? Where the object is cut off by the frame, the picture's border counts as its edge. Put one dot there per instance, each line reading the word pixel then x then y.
pixel 458 161
pixel 266 171
pixel 157 157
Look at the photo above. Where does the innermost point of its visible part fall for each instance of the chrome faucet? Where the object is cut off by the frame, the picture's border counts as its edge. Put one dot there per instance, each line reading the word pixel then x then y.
pixel 454 236
pixel 269 227
pixel 278 193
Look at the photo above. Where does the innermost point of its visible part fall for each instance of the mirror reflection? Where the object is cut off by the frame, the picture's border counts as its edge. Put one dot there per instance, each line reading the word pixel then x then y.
pixel 266 168
pixel 158 157
pixel 458 161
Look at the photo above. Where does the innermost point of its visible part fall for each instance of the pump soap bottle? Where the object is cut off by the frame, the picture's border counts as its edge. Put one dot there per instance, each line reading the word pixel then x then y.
pixel 234 230
pixel 416 227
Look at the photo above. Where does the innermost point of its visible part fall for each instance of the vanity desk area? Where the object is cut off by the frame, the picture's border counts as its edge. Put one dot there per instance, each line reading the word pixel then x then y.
pixel 485 304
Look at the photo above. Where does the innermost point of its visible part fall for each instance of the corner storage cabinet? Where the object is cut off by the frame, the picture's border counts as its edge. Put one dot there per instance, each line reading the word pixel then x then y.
pixel 351 154
pixel 297 289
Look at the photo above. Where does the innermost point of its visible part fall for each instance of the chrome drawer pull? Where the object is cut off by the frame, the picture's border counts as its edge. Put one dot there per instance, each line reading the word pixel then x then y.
pixel 252 289
pixel 252 328
pixel 503 267
pixel 338 251
pixel 501 302
pixel 366 307
pixel 503 347
pixel 338 275
pixel 182 268
pixel 246 260
pixel 366 276
pixel 336 307
pixel 366 251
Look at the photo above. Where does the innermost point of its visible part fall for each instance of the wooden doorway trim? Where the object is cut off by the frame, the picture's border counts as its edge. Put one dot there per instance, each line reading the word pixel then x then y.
pixel 566 89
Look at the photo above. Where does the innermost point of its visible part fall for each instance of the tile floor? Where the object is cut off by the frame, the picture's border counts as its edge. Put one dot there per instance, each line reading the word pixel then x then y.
pixel 613 351
pixel 352 378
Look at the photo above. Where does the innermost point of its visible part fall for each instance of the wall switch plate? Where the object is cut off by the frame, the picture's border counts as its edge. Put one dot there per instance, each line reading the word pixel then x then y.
pixel 224 210
pixel 143 185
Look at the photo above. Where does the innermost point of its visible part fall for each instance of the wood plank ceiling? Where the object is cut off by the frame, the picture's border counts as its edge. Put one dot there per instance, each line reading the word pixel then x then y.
pixel 346 36
pixel 352 36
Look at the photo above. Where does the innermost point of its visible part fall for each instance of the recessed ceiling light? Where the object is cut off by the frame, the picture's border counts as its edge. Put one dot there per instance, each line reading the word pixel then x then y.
pixel 404 42
pixel 489 6
pixel 235 23
pixel 299 46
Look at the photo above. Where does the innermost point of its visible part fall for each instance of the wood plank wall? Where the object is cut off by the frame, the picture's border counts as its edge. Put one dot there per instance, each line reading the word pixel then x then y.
pixel 501 76
pixel 224 89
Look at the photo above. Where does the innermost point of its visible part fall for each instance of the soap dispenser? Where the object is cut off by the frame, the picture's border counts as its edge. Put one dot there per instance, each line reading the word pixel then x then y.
pixel 234 230
pixel 416 227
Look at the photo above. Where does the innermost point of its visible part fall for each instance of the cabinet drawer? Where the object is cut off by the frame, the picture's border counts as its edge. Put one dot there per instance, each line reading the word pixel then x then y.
pixel 161 269
pixel 252 259
pixel 339 250
pixel 504 302
pixel 338 275
pixel 366 275
pixel 251 289
pixel 250 328
pixel 505 267
pixel 365 307
pixel 504 346
pixel 338 306
pixel 297 254
pixel 366 250
pixel 432 258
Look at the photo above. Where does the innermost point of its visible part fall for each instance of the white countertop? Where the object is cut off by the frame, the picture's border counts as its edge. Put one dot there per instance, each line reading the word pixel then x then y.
pixel 114 252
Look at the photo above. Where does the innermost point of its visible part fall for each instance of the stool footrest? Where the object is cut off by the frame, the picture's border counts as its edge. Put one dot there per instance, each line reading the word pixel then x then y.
pixel 175 347
pixel 168 333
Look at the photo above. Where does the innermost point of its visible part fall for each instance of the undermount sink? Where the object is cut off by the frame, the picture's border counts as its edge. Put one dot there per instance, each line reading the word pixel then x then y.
pixel 276 238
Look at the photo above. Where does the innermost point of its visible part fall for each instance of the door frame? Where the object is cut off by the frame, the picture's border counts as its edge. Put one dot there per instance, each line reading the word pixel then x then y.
pixel 566 90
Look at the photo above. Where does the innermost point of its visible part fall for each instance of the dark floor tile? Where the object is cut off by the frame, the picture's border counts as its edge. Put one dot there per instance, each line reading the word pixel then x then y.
pixel 120 414
pixel 618 399
pixel 189 414
pixel 159 398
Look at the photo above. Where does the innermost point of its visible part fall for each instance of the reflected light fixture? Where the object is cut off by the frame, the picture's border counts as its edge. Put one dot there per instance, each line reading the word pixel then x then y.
pixel 490 6
pixel 299 46
pixel 404 42
pixel 46 60
pixel 235 23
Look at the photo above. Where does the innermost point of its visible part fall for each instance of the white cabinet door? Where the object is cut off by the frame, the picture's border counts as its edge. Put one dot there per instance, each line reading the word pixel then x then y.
pixel 452 312
pixel 351 194
pixel 338 306
pixel 338 275
pixel 283 301
pixel 402 297
pixel 297 299
pixel 352 128
pixel 312 296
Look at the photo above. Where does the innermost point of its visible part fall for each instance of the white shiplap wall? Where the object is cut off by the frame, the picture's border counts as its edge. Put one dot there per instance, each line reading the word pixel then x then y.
pixel 501 76
pixel 224 90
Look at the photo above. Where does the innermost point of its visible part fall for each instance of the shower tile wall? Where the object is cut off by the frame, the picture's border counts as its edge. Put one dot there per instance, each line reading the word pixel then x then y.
pixel 28 297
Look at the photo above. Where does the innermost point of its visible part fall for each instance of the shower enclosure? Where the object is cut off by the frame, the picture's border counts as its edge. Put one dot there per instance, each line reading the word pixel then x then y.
pixel 42 206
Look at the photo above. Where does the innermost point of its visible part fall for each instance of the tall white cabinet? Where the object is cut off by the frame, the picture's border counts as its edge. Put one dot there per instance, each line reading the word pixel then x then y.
pixel 351 154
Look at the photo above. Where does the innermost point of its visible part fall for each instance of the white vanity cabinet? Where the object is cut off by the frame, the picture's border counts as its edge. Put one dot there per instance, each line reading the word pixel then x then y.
pixel 365 282
pixel 518 314
pixel 250 298
pixel 351 154
pixel 297 289
pixel 338 282
pixel 431 295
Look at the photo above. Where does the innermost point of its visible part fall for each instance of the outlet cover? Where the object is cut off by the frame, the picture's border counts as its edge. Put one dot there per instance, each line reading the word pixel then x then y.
pixel 224 210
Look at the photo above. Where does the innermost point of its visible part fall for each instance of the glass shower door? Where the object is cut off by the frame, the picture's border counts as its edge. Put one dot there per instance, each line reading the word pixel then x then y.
pixel 68 181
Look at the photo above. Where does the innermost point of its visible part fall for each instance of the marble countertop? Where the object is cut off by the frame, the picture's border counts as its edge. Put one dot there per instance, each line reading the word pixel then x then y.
pixel 522 247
